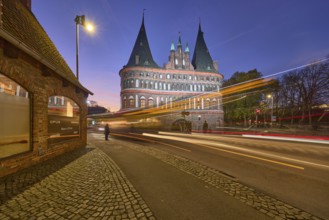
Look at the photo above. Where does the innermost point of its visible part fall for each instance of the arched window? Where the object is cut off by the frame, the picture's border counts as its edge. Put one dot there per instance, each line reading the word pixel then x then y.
pixel 169 86
pixel 198 104
pixel 142 102
pixel 156 85
pixel 131 102
pixel 164 86
pixel 124 102
pixel 150 103
pixel 14 118
pixel 63 119
pixel 207 104
pixel 214 104
pixel 137 83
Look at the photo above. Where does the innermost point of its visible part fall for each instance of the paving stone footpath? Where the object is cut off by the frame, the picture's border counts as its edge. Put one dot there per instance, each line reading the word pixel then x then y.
pixel 84 184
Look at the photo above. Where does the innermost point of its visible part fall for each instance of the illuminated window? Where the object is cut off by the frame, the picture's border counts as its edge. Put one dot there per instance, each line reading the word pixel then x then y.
pixel 142 102
pixel 214 103
pixel 198 104
pixel 63 120
pixel 124 103
pixel 207 104
pixel 150 103
pixel 131 102
pixel 14 118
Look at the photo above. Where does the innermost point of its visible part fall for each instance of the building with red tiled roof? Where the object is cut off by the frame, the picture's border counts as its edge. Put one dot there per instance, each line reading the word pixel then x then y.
pixel 43 105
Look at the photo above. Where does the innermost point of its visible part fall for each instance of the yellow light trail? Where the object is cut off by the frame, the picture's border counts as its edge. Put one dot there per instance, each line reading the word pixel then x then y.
pixel 179 105
pixel 227 151
pixel 254 157
pixel 148 140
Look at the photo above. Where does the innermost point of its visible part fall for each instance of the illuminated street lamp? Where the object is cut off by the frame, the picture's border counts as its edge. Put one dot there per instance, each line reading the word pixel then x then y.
pixel 270 96
pixel 80 20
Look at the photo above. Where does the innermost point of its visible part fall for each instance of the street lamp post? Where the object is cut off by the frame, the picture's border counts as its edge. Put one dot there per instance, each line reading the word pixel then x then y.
pixel 80 20
pixel 271 97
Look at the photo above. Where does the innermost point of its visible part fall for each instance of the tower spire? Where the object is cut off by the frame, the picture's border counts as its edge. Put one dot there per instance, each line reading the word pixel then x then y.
pixel 143 15
pixel 141 54
pixel 179 40
pixel 202 60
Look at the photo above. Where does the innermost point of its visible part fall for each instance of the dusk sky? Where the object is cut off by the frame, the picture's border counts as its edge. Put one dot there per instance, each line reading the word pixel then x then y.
pixel 269 35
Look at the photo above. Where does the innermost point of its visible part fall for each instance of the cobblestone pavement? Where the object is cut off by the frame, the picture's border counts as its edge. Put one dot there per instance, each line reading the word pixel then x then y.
pixel 15 184
pixel 261 202
pixel 90 186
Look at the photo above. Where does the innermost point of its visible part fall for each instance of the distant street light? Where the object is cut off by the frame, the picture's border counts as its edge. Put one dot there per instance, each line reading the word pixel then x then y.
pixel 270 96
pixel 80 20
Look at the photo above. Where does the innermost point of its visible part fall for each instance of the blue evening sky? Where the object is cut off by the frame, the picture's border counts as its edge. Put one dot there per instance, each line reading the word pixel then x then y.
pixel 269 35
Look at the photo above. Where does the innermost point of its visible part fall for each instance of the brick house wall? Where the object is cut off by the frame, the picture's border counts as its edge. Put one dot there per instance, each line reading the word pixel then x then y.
pixel 29 73
pixel 29 58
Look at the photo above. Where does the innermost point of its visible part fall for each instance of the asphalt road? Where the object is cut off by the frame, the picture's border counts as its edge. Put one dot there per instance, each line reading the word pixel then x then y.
pixel 293 172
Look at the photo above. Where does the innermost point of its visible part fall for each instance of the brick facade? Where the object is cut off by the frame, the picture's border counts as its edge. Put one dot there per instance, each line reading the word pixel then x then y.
pixel 29 74
pixel 32 61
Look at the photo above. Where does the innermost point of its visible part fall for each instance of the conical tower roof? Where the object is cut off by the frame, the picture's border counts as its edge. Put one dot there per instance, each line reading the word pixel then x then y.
pixel 141 54
pixel 202 60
